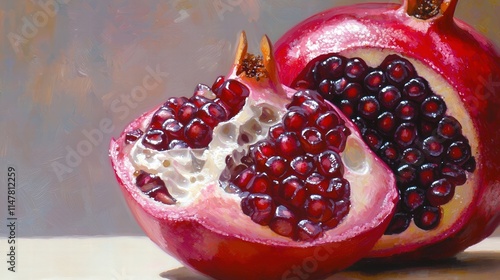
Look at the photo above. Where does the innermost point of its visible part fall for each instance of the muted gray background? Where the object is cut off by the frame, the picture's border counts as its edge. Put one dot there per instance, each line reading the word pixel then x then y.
pixel 74 70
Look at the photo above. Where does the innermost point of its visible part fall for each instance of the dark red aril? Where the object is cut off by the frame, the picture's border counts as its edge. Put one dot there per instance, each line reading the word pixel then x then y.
pixel 133 135
pixel 413 198
pixel 156 139
pixel 259 207
pixel 389 97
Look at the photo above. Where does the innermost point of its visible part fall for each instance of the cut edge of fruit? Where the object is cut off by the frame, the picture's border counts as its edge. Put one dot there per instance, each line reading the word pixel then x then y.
pixel 464 194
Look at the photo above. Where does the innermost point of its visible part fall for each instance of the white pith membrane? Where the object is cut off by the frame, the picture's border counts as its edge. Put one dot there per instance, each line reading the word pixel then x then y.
pixel 191 176
pixel 456 209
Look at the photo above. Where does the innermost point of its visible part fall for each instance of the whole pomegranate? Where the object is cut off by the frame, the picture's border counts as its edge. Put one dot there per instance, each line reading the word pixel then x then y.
pixel 421 86
pixel 248 179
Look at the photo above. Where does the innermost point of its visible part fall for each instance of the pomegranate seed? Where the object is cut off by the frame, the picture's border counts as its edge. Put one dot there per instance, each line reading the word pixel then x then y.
pixel 369 107
pixel 164 197
pixel 311 108
pixel 292 191
pixel 202 90
pixel 326 88
pixel 232 92
pixel 284 222
pixel 259 207
pixel 340 85
pixel 458 152
pixel 428 218
pixel 294 120
pixel 199 101
pixel 389 97
pixel 406 174
pixel 375 80
pixel 327 121
pixel 432 147
pixel 288 145
pixel 415 89
pixel 197 133
pixel 399 223
pixel 426 128
pixel 433 108
pixel 389 153
pixel 259 183
pixel 386 122
pixel 347 108
pixel 276 130
pixel 160 117
pixel 398 72
pixel 413 198
pixel 318 208
pixel 133 135
pixel 355 69
pixel 307 230
pixel 316 183
pixel 454 174
pixel 412 156
pixel 360 123
pixel 261 152
pixel 427 174
pixel 338 188
pixel 156 139
pixel 186 112
pixel 332 67
pixel 175 103
pixel 212 114
pixel 330 164
pixel 173 128
pixel 302 166
pixel 373 139
pixel 407 110
pixel 276 166
pixel 312 140
pixel 440 192
pixel 352 92
pixel 405 134
pixel 177 144
pixel 449 128
pixel 469 165
pixel 218 83
pixel 243 178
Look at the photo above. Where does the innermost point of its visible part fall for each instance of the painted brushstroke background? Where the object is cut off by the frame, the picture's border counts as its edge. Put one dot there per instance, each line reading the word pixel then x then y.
pixel 72 75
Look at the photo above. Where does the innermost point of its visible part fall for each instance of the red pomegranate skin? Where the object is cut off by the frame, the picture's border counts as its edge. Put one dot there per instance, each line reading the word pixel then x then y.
pixel 462 56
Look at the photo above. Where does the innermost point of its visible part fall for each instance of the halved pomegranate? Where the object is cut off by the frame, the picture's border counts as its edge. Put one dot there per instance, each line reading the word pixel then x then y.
pixel 422 87
pixel 248 179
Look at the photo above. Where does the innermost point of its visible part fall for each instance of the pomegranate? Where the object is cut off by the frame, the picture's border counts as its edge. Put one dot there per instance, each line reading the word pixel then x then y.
pixel 422 87
pixel 248 179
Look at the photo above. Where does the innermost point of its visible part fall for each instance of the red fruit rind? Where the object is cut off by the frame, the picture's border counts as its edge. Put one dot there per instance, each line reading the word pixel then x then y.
pixel 441 45
pixel 212 235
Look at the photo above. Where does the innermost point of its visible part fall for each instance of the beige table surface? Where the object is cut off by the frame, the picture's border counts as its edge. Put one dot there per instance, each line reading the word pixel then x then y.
pixel 138 258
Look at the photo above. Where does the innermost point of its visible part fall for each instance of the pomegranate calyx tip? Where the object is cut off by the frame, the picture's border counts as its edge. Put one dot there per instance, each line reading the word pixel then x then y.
pixel 430 9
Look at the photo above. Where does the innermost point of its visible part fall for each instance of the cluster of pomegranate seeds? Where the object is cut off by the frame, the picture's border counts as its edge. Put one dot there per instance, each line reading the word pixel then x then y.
pixel 405 123
pixel 292 181
pixel 189 122
pixel 154 187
